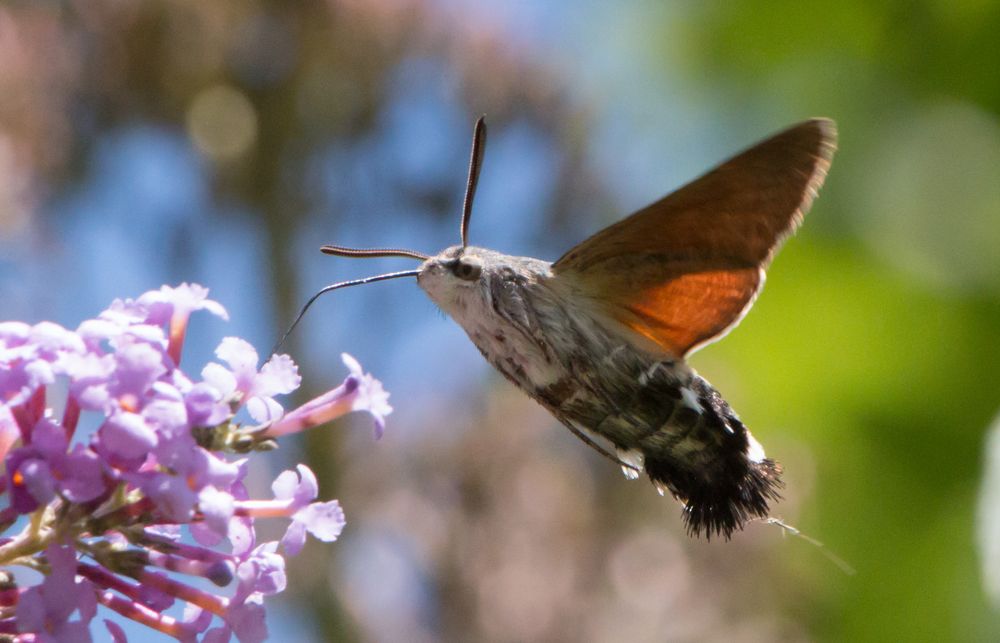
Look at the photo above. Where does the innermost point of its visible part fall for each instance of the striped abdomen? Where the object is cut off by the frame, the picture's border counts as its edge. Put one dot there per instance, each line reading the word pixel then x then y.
pixel 668 420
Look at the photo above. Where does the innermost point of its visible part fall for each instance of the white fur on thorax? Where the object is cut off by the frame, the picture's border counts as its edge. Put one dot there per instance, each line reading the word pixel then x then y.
pixel 554 304
pixel 471 306
pixel 538 371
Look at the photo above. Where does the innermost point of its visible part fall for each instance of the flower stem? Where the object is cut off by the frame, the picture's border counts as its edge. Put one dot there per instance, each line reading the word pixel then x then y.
pixel 209 602
pixel 142 614
pixel 27 543
pixel 104 578
pixel 71 416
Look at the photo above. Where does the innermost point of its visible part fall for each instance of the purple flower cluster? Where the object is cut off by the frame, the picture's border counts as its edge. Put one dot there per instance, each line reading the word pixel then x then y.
pixel 103 518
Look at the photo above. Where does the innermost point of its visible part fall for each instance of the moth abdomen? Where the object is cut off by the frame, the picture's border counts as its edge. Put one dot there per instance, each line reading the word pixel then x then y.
pixel 663 417
pixel 707 458
pixel 723 503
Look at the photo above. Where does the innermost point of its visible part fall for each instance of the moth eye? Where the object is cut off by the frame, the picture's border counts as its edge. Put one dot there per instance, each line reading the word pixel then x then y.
pixel 467 270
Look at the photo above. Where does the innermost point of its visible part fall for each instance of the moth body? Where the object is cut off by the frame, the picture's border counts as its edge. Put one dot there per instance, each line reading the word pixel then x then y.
pixel 600 336
pixel 595 376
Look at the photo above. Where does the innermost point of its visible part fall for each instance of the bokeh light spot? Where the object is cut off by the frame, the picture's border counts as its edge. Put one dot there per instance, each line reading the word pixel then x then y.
pixel 222 123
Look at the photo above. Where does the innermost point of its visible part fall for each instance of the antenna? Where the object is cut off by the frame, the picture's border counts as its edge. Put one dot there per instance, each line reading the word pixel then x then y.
pixel 344 251
pixel 475 164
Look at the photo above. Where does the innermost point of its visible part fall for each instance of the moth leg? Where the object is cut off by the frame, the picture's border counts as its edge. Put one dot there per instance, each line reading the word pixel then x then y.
pixel 597 447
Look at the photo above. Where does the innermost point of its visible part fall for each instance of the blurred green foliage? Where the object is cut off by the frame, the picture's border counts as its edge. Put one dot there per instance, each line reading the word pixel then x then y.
pixel 876 339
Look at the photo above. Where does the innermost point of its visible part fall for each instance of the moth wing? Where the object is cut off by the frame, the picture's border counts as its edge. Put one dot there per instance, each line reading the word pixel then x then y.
pixel 684 270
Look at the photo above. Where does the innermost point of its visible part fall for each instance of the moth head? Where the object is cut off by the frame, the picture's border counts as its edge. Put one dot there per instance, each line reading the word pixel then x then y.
pixel 455 276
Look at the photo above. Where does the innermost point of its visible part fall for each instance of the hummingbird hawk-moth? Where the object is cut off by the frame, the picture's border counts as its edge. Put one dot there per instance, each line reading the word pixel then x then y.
pixel 600 336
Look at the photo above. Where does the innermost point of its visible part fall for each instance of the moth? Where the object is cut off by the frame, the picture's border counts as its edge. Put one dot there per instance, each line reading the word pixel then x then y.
pixel 601 336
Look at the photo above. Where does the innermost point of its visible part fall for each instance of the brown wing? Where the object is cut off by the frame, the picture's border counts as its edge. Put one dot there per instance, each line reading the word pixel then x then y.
pixel 685 269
